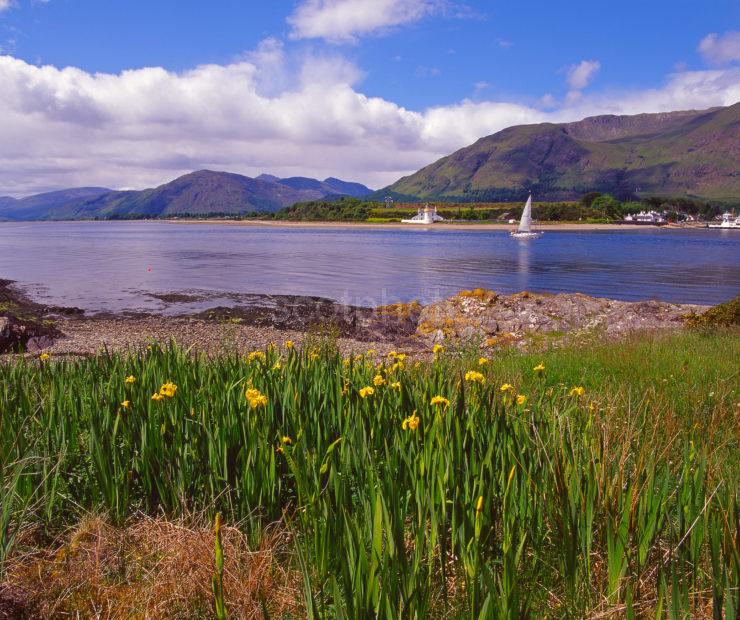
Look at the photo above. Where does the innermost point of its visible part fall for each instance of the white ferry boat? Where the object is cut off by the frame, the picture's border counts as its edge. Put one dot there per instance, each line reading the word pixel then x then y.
pixel 728 221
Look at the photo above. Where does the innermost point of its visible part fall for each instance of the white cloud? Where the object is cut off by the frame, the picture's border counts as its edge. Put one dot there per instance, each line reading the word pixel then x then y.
pixel 547 101
pixel 342 21
pixel 5 4
pixel 579 76
pixel 266 112
pixel 721 50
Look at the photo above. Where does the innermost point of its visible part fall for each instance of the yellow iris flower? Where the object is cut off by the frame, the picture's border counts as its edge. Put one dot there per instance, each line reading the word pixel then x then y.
pixel 168 389
pixel 411 423
pixel 255 398
pixel 474 377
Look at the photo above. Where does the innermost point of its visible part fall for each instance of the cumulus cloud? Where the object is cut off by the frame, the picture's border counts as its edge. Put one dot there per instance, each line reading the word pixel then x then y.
pixel 721 50
pixel 342 21
pixel 579 76
pixel 265 112
pixel 5 4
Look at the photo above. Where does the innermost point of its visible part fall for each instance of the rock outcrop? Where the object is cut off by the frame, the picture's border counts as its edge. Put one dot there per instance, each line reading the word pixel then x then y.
pixel 485 314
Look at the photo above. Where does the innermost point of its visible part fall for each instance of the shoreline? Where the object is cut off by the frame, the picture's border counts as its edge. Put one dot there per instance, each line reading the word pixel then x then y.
pixel 498 319
pixel 464 226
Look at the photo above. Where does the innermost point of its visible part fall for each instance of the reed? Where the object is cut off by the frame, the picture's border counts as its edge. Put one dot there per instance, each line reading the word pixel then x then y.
pixel 438 494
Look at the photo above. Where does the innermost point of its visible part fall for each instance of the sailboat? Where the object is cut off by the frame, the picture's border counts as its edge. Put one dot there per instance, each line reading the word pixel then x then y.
pixel 525 224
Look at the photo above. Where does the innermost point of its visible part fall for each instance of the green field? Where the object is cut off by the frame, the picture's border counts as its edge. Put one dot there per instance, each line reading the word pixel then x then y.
pixel 596 481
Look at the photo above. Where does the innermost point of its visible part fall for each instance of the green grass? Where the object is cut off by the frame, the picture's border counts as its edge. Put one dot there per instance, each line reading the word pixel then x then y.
pixel 622 499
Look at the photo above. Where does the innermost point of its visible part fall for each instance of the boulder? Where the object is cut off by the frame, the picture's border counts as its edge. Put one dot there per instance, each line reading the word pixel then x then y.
pixel 12 335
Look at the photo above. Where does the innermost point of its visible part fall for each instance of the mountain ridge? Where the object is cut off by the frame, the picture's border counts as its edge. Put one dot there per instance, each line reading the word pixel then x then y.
pixel 201 192
pixel 686 153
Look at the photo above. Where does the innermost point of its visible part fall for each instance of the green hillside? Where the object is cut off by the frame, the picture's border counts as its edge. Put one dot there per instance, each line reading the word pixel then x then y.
pixel 691 153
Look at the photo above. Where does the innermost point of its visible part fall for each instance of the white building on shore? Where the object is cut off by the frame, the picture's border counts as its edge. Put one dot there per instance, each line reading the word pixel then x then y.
pixel 425 215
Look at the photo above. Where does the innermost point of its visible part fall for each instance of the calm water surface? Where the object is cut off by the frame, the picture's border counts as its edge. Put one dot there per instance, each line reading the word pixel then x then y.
pixel 115 266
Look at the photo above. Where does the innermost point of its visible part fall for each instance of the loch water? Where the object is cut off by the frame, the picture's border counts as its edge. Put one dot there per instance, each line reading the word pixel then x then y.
pixel 128 266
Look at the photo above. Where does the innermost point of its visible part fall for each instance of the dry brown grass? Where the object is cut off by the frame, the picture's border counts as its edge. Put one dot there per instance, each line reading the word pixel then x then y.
pixel 152 568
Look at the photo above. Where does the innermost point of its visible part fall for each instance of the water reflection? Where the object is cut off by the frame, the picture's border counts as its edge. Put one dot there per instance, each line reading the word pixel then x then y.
pixel 523 260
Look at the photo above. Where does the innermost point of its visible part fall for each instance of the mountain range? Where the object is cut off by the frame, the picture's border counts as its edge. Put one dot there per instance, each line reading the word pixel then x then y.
pixel 198 193
pixel 690 153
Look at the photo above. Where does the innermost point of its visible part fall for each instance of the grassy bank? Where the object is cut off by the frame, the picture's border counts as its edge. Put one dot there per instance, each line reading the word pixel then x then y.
pixel 568 483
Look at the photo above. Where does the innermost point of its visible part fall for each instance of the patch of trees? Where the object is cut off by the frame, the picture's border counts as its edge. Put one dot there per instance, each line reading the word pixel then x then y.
pixel 344 209
pixel 675 208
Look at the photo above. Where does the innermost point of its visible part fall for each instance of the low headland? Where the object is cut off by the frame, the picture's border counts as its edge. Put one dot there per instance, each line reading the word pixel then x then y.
pixel 486 455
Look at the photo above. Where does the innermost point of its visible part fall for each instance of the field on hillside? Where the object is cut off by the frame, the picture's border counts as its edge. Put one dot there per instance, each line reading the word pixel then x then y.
pixel 595 481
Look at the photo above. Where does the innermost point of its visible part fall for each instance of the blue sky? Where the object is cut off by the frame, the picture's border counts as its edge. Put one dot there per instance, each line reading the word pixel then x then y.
pixel 403 81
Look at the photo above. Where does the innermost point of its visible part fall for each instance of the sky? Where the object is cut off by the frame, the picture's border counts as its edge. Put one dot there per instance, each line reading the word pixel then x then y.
pixel 131 94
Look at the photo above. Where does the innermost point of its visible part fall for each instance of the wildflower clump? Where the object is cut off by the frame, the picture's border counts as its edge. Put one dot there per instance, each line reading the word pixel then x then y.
pixel 255 398
pixel 482 361
pixel 44 357
pixel 521 399
pixel 577 391
pixel 366 391
pixel 437 349
pixel 507 387
pixel 539 369
pixel 378 380
pixel 129 380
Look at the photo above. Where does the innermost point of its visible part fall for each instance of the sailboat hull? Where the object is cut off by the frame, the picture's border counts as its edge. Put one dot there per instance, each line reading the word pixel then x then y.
pixel 525 235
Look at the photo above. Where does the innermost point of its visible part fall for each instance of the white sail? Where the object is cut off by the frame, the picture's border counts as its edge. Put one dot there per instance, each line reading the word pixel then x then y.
pixel 525 224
